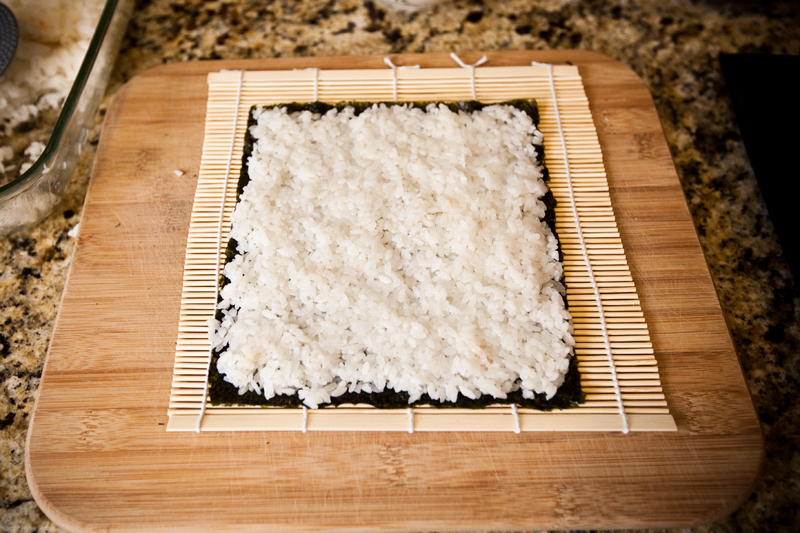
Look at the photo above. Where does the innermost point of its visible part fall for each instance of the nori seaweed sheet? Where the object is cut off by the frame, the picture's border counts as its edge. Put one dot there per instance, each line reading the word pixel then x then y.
pixel 221 392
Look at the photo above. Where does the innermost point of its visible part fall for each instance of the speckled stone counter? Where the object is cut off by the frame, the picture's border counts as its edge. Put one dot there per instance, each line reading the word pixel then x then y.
pixel 673 45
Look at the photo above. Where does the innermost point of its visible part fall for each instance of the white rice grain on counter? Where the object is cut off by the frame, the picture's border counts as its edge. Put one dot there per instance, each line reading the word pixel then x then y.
pixel 397 249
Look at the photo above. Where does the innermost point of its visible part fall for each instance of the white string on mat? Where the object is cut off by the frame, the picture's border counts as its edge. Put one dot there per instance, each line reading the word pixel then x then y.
pixel 305 419
pixel 394 75
pixel 316 85
pixel 517 428
pixel 471 68
pixel 410 413
pixel 219 238
pixel 617 393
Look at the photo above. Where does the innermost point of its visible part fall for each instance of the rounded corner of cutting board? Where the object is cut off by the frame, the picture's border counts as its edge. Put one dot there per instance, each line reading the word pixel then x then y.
pixel 52 512
pixel 614 70
pixel 175 72
pixel 729 506
pixel 176 69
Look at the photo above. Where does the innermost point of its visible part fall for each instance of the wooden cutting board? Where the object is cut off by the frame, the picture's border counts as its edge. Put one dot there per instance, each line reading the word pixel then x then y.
pixel 98 455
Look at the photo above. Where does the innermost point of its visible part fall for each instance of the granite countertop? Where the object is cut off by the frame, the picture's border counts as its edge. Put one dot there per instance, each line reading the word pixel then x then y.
pixel 673 45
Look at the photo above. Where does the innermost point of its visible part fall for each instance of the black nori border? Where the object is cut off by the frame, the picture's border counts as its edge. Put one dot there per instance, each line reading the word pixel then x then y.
pixel 221 392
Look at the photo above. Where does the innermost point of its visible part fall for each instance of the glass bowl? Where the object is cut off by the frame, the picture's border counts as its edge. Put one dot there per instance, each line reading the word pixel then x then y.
pixel 29 198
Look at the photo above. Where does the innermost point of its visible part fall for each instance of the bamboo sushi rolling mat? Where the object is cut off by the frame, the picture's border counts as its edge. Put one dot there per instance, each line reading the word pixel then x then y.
pixel 618 368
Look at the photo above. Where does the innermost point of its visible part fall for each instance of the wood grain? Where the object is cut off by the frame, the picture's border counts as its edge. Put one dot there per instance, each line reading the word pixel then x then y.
pixel 99 458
